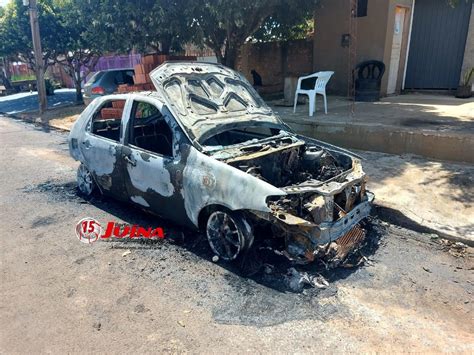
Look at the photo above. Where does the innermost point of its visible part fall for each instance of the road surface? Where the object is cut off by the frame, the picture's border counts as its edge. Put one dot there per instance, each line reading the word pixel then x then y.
pixel 26 101
pixel 60 295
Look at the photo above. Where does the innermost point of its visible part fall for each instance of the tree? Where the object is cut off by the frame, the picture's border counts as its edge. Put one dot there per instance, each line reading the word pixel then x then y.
pixel 80 45
pixel 157 25
pixel 283 28
pixel 225 25
pixel 15 33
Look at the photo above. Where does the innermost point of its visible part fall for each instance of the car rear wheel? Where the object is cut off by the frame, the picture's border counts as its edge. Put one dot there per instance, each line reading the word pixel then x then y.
pixel 228 234
pixel 85 181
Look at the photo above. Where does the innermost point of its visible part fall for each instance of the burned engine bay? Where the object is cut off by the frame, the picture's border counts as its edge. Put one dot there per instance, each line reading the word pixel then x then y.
pixel 323 187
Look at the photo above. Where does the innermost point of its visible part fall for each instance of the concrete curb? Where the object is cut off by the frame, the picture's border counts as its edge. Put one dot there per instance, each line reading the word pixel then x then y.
pixel 34 121
pixel 454 146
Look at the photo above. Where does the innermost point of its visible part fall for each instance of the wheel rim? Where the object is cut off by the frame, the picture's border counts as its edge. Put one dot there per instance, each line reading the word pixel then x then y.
pixel 225 238
pixel 84 180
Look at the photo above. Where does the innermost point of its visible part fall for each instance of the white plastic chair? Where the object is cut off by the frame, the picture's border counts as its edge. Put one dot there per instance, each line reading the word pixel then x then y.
pixel 319 88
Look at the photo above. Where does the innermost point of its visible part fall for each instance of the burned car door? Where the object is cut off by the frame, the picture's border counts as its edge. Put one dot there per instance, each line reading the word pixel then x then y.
pixel 101 147
pixel 152 172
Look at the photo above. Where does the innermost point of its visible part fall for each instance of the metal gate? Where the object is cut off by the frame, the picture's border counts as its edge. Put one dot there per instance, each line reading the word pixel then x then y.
pixel 437 44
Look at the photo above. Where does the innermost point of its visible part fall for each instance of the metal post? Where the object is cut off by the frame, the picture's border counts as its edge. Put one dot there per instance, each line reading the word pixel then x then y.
pixel 39 68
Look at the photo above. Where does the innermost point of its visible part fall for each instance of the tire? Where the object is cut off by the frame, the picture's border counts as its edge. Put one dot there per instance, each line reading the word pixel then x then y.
pixel 85 181
pixel 228 234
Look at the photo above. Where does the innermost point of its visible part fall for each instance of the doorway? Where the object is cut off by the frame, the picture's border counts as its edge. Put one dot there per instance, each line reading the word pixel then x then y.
pixel 398 43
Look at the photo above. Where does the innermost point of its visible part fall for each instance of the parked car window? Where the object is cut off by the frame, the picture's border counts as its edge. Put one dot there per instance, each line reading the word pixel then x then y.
pixel 124 77
pixel 150 130
pixel 107 120
pixel 95 77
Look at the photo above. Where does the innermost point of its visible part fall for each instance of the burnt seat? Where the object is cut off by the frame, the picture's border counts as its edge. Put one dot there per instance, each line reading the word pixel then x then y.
pixel 156 138
pixel 368 78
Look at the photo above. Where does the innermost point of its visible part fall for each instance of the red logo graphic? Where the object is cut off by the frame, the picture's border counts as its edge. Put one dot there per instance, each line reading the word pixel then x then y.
pixel 88 231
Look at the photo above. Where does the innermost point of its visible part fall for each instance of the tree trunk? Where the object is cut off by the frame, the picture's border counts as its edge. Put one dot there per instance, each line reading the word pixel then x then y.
pixel 165 45
pixel 220 58
pixel 77 84
pixel 231 54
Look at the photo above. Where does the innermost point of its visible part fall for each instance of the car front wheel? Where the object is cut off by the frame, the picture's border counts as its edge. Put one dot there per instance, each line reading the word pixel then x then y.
pixel 85 181
pixel 228 234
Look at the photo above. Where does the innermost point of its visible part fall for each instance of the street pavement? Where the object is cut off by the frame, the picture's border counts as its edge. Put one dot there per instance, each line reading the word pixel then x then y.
pixel 25 101
pixel 414 292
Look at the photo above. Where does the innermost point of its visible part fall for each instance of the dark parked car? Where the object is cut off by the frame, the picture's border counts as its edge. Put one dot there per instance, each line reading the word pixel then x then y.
pixel 105 82
pixel 205 151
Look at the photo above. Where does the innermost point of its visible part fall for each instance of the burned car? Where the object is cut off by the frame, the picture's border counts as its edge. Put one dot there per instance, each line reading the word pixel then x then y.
pixel 206 152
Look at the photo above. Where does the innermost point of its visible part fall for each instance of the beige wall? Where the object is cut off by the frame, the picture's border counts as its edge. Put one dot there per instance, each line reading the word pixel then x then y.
pixel 468 61
pixel 374 38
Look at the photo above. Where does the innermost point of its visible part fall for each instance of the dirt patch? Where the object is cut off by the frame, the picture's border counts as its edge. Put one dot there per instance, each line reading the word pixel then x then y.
pixel 61 117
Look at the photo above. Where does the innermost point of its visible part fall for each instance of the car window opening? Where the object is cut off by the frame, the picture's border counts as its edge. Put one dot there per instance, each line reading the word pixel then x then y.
pixel 150 130
pixel 241 135
pixel 106 120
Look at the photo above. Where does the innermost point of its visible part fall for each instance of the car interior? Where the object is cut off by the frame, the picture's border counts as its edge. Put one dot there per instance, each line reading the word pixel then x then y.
pixel 107 119
pixel 150 130
pixel 123 77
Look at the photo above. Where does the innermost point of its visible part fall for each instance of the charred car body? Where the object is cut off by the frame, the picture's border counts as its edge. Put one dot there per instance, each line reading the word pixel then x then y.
pixel 205 151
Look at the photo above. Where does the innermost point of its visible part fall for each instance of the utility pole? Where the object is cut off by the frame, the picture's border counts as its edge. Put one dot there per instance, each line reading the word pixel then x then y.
pixel 35 34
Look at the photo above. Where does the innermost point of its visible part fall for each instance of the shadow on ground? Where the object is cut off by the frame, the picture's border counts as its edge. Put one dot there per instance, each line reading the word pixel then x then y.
pixel 260 264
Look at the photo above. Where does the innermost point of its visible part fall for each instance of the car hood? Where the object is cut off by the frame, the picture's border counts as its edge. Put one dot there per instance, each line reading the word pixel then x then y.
pixel 209 98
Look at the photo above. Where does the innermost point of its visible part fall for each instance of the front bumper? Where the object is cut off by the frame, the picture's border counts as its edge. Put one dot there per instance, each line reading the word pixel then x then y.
pixel 332 231
pixel 304 239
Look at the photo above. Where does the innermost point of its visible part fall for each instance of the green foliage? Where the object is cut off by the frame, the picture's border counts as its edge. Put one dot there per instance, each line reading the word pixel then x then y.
pixel 15 32
pixel 225 25
pixel 282 28
pixel 144 25
pixel 80 44
pixel 22 77
pixel 75 32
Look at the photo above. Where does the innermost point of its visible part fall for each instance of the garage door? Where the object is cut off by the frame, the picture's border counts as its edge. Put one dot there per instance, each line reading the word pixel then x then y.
pixel 437 44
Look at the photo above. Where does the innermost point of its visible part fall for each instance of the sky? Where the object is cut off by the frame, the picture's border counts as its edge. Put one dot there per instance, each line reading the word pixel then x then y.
pixel 3 2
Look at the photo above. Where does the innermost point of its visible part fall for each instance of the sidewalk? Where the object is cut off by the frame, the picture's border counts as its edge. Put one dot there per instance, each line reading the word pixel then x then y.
pixel 434 126
pixel 436 195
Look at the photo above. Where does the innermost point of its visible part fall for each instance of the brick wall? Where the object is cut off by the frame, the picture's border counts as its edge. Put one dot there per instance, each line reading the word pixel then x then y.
pixel 276 60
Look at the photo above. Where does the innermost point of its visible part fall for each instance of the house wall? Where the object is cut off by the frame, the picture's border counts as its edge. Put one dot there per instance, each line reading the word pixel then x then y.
pixel 374 38
pixel 276 60
pixel 468 61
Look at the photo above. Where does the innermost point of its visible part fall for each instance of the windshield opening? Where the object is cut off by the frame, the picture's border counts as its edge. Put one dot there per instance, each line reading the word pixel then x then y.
pixel 241 135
